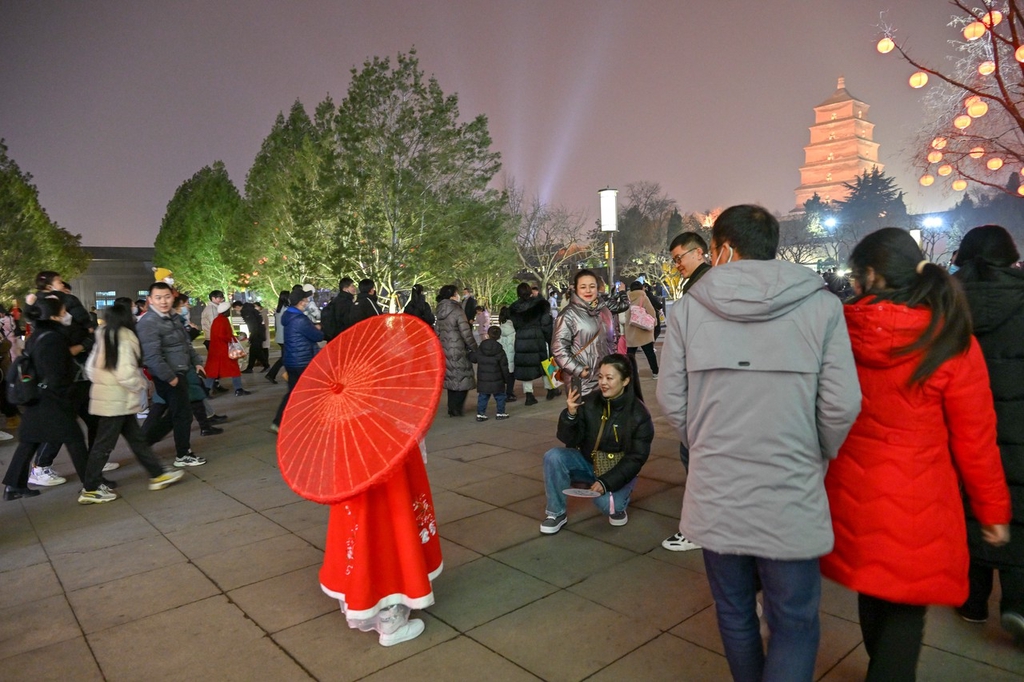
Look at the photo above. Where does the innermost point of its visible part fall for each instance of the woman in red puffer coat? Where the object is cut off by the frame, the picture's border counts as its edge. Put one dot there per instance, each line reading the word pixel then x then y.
pixel 927 414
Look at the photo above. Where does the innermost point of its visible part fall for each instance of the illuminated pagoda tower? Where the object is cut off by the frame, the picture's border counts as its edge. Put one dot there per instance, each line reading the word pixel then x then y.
pixel 841 148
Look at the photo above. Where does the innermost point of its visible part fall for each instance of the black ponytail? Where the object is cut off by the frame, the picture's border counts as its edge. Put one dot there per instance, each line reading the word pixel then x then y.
pixel 911 280
pixel 115 318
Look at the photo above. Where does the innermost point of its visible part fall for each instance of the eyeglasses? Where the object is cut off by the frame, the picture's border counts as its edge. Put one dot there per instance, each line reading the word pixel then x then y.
pixel 679 259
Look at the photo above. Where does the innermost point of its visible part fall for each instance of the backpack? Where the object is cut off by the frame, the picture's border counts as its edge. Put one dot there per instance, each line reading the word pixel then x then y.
pixel 23 386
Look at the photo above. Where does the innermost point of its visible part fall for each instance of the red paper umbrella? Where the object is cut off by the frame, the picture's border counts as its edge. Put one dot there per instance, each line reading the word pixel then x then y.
pixel 364 402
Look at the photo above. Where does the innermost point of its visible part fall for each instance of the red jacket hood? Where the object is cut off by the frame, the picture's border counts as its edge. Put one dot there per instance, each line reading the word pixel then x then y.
pixel 878 329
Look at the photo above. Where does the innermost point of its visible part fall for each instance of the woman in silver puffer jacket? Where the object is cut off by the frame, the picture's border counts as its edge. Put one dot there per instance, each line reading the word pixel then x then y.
pixel 585 329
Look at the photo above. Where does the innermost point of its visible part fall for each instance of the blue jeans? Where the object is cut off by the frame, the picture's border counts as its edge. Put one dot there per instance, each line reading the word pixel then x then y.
pixel 564 466
pixel 484 398
pixel 792 594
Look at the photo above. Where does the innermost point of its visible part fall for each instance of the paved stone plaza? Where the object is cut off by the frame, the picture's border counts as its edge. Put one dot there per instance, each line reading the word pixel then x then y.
pixel 215 578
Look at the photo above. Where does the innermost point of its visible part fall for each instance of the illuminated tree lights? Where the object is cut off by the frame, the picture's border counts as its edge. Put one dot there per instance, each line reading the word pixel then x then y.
pixel 973 110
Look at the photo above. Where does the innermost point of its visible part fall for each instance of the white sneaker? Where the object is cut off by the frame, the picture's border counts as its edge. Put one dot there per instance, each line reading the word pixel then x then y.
pixel 5 436
pixel 110 466
pixel 411 630
pixel 678 543
pixel 99 496
pixel 45 476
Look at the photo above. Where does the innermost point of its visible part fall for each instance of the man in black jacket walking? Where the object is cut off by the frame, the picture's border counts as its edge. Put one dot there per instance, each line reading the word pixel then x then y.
pixel 365 305
pixel 337 316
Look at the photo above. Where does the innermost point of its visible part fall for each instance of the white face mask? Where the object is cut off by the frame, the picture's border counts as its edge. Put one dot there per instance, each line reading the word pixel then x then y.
pixel 716 263
pixel 66 319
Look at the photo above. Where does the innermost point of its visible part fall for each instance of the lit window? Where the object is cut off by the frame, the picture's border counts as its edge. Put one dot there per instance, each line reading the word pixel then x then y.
pixel 104 303
pixel 834 115
pixel 828 178
pixel 831 136
pixel 106 294
pixel 144 293
pixel 831 156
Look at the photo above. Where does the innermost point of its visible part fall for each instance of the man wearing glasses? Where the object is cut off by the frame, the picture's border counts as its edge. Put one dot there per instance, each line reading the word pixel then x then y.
pixel 687 251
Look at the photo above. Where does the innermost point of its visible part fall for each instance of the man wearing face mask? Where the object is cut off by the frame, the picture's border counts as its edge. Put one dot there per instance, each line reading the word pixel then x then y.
pixel 758 380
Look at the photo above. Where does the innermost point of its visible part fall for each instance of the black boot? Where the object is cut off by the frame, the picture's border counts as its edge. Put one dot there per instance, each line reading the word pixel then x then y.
pixel 553 393
pixel 531 399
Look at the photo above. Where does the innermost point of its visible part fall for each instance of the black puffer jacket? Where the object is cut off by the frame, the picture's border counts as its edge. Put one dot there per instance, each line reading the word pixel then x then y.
pixel 532 321
pixel 491 368
pixel 997 309
pixel 629 429
pixel 52 419
pixel 457 341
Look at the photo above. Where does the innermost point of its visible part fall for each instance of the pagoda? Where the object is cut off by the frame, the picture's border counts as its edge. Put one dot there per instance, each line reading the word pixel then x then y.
pixel 841 148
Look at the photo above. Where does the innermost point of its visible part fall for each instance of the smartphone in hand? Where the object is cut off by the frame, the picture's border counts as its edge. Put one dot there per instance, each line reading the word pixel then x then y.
pixel 576 384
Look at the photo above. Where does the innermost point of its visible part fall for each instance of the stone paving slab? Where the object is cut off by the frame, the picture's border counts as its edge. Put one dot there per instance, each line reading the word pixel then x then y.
pixel 216 577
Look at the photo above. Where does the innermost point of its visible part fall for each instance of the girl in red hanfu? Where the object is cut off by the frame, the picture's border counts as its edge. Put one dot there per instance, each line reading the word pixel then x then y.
pixel 382 553
pixel 351 437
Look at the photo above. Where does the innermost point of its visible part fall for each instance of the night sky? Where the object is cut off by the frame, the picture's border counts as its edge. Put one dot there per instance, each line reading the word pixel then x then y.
pixel 111 105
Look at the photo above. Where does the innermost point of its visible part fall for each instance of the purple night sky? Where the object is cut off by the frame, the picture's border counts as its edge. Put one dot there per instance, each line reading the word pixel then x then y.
pixel 111 105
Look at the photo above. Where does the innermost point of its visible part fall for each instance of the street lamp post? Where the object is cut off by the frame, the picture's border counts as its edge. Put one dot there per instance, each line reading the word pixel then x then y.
pixel 609 218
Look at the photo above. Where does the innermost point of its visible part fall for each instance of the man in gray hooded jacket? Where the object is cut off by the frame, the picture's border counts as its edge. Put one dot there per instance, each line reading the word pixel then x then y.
pixel 759 381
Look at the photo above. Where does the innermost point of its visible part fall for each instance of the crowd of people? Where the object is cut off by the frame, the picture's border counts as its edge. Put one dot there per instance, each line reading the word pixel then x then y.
pixel 873 435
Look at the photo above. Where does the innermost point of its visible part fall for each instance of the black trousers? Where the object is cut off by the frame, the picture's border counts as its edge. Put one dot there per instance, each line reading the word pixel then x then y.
pixel 180 410
pixel 510 385
pixel 109 429
pixel 892 636
pixel 80 397
pixel 456 402
pixel 258 355
pixel 21 460
pixel 1011 583
pixel 272 372
pixel 293 378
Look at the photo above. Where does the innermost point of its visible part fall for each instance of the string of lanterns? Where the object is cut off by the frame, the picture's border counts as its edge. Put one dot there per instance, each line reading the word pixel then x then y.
pixel 974 106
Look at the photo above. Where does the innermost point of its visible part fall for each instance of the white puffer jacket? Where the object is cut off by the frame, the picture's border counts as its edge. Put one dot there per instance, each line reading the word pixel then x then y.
pixel 118 391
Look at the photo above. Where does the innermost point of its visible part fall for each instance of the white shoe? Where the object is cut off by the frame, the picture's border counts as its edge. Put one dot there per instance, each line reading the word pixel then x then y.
pixel 411 630
pixel 678 543
pixel 45 476
pixel 5 436
pixel 110 466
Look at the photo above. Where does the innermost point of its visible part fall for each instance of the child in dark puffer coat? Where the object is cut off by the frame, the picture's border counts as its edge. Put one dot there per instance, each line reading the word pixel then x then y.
pixel 492 375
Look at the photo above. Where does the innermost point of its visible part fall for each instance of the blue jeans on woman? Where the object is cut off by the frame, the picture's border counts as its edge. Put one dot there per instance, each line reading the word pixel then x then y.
pixel 792 594
pixel 565 466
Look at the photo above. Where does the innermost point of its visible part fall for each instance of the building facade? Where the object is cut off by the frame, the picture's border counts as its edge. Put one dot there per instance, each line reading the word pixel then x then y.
pixel 114 271
pixel 842 147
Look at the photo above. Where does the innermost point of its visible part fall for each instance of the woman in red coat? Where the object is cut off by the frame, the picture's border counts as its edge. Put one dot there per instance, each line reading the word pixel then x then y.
pixel 219 364
pixel 900 538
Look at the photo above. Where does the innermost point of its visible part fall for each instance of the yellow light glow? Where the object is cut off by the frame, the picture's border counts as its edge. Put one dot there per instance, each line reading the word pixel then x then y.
pixel 994 164
pixel 885 45
pixel 927 180
pixel 934 156
pixel 919 80
pixel 1020 190
pixel 977 152
pixel 992 18
pixel 974 30
pixel 960 185
pixel 944 170
pixel 939 143
pixel 971 100
pixel 977 110
pixel 1019 54
pixel 962 122
pixel 987 67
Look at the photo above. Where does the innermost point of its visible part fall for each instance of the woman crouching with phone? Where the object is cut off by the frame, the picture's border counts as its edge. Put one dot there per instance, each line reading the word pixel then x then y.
pixel 607 436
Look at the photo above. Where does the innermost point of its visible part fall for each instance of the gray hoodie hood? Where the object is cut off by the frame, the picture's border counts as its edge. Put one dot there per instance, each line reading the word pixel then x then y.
pixel 756 290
